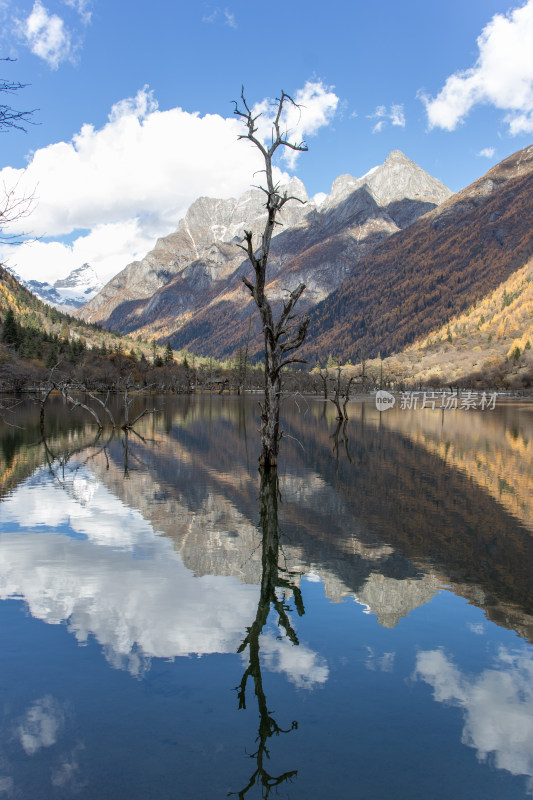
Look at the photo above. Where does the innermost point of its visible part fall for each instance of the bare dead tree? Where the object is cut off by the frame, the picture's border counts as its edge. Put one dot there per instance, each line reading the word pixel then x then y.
pixel 104 405
pixel 341 390
pixel 14 205
pixel 347 396
pixel 282 337
pixel 10 117
pixel 128 425
pixel 74 403
pixel 324 377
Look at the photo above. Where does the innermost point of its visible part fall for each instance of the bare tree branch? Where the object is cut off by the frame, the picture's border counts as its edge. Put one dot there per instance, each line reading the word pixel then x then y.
pixel 13 206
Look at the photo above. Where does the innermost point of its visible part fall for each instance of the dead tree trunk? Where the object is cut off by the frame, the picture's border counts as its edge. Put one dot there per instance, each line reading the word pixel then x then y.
pixel 325 379
pixel 282 336
pixel 339 391
pixel 336 399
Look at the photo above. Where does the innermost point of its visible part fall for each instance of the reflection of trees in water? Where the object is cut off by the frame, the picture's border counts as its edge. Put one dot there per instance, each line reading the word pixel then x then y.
pixel 276 586
pixel 341 427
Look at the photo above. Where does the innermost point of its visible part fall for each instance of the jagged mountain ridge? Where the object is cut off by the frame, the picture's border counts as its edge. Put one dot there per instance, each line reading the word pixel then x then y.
pixel 198 268
pixel 201 251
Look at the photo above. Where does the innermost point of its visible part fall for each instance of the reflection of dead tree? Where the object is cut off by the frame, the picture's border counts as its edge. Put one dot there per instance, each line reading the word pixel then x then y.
pixel 57 463
pixel 127 426
pixel 345 442
pixel 271 582
pixel 125 445
pixel 282 337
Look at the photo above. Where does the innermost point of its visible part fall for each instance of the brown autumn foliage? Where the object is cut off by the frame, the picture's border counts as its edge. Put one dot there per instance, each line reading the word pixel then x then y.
pixel 445 262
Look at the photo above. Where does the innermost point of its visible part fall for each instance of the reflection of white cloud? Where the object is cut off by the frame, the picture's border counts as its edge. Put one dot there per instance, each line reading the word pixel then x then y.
pixel 384 663
pixel 477 628
pixel 67 774
pixel 136 608
pixel 41 725
pixel 498 705
pixel 302 666
pixel 6 785
pixel 81 503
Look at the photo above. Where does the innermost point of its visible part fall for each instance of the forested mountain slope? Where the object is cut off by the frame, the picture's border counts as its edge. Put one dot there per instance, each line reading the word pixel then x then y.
pixel 420 277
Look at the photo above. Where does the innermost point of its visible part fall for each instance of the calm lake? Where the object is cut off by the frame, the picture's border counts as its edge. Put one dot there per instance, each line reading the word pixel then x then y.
pixel 172 627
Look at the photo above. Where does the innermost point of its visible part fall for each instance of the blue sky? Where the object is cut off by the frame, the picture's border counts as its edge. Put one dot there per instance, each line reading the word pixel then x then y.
pixel 135 114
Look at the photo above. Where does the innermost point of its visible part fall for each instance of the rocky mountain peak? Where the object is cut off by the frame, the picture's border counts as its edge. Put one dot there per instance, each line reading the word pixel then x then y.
pixel 397 157
pixel 399 178
pixel 343 185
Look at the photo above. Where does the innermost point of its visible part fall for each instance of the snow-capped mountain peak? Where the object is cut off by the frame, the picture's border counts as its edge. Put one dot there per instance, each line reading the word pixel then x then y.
pixel 69 293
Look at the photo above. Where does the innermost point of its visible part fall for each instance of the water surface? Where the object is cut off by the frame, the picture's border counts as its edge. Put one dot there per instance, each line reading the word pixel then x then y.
pixel 174 628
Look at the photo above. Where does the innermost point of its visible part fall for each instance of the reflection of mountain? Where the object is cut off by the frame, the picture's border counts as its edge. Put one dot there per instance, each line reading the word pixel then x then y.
pixel 388 528
pixel 435 515
pixel 493 452
pixel 215 532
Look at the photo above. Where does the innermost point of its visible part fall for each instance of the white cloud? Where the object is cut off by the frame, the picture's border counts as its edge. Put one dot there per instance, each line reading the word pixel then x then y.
pixel 394 114
pixel 498 705
pixel 487 152
pixel 82 7
pixel 397 116
pixel 227 17
pixel 315 107
pixel 133 179
pixel 47 36
pixel 107 248
pixel 502 76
